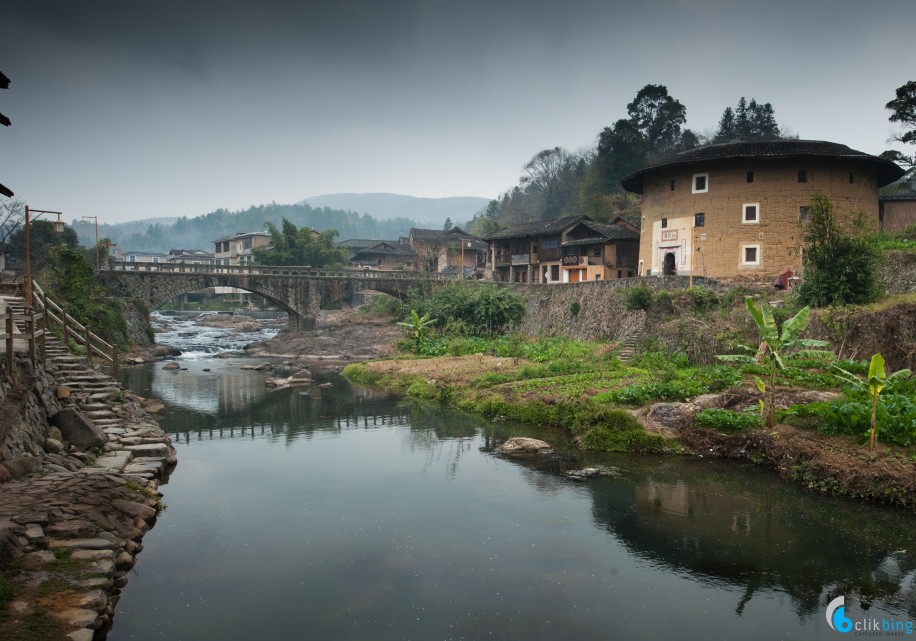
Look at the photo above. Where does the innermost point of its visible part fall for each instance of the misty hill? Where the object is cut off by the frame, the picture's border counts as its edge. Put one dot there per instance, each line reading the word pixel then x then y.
pixel 430 212
pixel 199 232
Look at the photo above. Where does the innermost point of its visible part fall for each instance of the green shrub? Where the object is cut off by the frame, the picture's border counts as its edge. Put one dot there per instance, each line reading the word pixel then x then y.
pixel 574 308
pixel 702 299
pixel 727 420
pixel 638 298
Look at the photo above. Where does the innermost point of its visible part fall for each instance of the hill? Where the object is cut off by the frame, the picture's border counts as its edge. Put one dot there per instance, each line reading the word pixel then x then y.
pixel 430 212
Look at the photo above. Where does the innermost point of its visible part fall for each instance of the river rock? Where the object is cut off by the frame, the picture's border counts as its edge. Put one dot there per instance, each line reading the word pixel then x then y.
pixel 523 445
pixel 78 429
pixel 171 365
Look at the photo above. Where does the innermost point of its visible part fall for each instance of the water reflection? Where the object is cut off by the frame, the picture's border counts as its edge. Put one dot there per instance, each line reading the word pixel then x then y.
pixel 748 528
pixel 406 513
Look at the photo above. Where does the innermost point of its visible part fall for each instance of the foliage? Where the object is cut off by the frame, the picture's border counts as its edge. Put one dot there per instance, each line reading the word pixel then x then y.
pixel 727 420
pixel 574 308
pixel 875 383
pixel 776 344
pixel 840 268
pixel 485 310
pixel 638 298
pixel 903 107
pixel 69 279
pixel 702 299
pixel 292 246
pixel 418 327
pixel 384 305
pixel 43 240
pixel 614 431
pixel 748 121
pixel 12 216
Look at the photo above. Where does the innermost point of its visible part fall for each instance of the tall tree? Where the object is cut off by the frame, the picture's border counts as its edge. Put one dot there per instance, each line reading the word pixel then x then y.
pixel 292 246
pixel 903 109
pixel 549 176
pixel 658 117
pixel 749 121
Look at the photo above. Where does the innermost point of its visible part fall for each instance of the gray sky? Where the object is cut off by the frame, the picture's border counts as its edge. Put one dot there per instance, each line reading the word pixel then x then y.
pixel 130 110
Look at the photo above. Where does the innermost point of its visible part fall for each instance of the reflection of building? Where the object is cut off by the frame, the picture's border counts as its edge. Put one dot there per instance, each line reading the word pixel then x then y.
pixel 737 209
pixel 237 248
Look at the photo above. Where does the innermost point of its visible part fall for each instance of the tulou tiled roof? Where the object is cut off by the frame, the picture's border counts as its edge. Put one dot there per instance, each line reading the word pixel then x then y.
pixel 887 171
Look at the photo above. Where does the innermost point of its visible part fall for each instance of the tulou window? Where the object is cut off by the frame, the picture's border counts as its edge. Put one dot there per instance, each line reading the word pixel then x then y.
pixel 700 183
pixel 699 220
pixel 802 175
pixel 751 214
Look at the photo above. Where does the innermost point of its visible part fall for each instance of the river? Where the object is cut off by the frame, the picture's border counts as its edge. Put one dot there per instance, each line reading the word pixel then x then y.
pixel 343 513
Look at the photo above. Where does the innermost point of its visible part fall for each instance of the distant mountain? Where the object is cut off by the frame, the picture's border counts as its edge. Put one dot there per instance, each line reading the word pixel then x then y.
pixel 426 211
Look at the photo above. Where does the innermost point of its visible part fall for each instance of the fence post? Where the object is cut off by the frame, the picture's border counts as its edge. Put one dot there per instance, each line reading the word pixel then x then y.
pixel 43 326
pixel 30 331
pixel 9 342
pixel 88 338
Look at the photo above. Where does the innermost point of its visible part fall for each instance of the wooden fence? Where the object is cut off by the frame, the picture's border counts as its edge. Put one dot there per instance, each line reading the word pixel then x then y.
pixel 72 329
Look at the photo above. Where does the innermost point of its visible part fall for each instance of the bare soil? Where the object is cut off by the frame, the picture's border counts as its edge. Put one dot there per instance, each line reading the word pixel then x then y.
pixel 340 337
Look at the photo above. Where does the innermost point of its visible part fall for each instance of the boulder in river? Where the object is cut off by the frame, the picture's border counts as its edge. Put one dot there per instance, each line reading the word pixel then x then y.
pixel 520 445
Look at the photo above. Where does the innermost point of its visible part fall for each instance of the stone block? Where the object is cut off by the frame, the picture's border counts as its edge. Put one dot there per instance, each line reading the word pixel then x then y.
pixel 78 429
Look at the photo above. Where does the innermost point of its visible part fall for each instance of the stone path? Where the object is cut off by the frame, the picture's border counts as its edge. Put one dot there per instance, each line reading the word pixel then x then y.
pixel 69 533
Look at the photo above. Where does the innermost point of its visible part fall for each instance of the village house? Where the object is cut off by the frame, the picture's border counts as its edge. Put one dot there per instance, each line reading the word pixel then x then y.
pixel 432 250
pixel 189 257
pixel 450 251
pixel 134 260
pixel 737 210
pixel 237 248
pixel 384 255
pixel 897 212
pixel 565 250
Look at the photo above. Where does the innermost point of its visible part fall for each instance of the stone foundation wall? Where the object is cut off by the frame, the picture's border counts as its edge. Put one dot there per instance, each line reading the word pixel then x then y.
pixel 25 405
pixel 898 273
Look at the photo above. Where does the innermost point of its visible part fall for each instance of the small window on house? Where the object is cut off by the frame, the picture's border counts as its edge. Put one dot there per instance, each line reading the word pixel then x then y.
pixel 750 176
pixel 852 178
pixel 155 259
pixel 597 276
pixel 700 183
pixel 672 184
pixel 554 272
pixel 750 254
pixel 699 220
pixel 802 175
pixel 664 223
pixel 619 273
pixel 751 214
pixel 803 213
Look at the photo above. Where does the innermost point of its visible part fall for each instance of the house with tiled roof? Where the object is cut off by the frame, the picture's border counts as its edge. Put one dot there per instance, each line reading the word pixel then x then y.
pixel 385 255
pixel 446 251
pixel 565 250
pixel 737 210
pixel 236 249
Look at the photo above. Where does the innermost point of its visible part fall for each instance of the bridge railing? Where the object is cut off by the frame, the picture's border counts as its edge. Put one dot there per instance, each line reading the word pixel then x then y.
pixel 277 270
pixel 72 329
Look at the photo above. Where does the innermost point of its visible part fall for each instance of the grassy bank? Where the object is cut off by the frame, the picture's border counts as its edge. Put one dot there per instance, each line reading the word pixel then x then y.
pixel 607 405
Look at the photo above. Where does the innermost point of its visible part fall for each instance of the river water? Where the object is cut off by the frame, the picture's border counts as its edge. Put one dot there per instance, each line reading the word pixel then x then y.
pixel 343 513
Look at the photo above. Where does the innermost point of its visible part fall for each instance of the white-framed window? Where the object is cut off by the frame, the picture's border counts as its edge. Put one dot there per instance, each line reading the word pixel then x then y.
pixel 155 259
pixel 750 213
pixel 700 183
pixel 750 255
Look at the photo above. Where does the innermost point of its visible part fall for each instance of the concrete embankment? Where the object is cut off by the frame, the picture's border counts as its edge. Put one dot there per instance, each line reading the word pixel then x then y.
pixel 80 464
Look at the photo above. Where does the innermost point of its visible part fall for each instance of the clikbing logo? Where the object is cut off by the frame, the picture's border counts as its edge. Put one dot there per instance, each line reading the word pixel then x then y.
pixel 871 627
pixel 836 615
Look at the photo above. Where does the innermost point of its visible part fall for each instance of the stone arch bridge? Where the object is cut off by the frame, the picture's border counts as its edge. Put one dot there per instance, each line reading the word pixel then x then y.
pixel 301 292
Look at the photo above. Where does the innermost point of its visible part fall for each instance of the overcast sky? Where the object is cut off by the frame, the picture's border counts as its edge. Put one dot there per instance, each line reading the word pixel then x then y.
pixel 129 110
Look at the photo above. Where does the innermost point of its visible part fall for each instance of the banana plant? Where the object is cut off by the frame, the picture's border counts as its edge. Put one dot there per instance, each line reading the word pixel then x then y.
pixel 874 384
pixel 776 344
pixel 418 327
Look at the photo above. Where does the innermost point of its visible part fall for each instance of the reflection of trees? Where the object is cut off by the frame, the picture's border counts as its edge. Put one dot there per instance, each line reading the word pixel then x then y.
pixel 755 532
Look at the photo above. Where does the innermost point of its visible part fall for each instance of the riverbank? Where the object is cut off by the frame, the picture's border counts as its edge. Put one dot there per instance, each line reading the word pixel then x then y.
pixel 582 403
pixel 78 490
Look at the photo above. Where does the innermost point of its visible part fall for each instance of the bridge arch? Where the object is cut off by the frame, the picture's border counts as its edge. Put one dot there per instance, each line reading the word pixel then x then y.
pixel 302 293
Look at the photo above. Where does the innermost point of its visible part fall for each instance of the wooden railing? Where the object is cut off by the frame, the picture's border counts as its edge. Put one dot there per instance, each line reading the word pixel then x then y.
pixel 33 332
pixel 72 329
